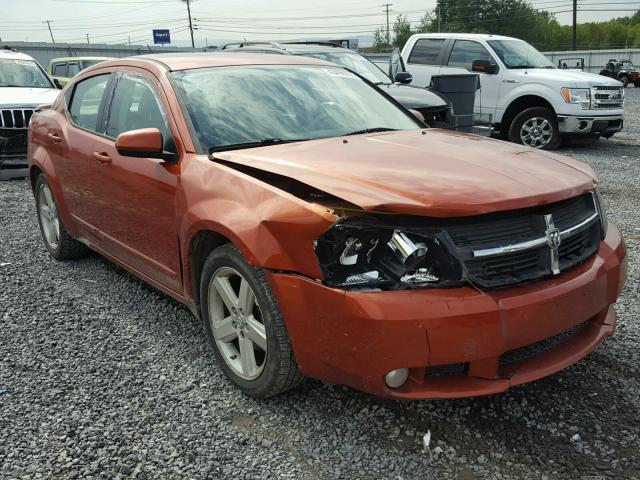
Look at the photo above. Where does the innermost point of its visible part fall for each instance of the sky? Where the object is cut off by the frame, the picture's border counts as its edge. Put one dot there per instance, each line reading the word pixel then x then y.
pixel 124 21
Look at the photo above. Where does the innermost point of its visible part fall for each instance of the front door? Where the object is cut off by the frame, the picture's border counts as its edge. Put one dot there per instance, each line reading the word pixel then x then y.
pixel 460 60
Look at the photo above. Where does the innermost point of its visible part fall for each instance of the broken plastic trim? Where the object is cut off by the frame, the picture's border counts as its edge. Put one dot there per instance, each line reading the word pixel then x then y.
pixel 368 252
pixel 290 185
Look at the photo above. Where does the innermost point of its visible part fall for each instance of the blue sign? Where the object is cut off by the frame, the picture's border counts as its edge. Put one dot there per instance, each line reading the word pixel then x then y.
pixel 161 37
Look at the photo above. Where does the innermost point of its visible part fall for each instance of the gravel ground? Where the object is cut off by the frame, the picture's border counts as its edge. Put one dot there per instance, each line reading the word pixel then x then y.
pixel 104 377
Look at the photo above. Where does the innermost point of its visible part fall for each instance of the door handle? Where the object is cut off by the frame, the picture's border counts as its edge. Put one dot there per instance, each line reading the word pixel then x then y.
pixel 102 157
pixel 54 138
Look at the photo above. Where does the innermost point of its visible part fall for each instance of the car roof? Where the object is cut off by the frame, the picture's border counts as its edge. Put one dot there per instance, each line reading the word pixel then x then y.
pixel 470 36
pixel 188 61
pixel 70 59
pixel 296 48
pixel 13 55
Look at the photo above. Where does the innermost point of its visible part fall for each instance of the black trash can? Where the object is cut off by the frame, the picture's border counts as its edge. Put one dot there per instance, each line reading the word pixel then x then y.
pixel 460 92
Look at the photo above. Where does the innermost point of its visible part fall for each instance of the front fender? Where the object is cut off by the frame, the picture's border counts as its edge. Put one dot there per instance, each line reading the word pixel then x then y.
pixel 535 89
pixel 272 228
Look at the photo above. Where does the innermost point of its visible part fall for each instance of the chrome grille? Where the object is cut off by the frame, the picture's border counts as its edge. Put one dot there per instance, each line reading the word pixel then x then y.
pixel 607 97
pixel 505 249
pixel 15 118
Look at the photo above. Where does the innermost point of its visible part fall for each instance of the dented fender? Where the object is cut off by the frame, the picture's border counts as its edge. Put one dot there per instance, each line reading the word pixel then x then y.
pixel 273 229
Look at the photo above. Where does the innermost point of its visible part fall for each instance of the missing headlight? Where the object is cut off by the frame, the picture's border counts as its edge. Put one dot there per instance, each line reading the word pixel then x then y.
pixel 365 252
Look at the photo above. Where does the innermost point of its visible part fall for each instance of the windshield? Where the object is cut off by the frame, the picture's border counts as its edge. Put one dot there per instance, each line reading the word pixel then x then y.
pixel 22 73
pixel 519 54
pixel 355 63
pixel 232 106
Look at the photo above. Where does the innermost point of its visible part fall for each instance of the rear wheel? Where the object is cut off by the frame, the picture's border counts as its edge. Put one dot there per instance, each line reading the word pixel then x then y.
pixel 636 83
pixel 59 243
pixel 245 327
pixel 535 127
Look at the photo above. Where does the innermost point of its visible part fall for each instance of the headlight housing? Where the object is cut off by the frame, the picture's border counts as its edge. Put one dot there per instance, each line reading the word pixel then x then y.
pixel 600 207
pixel 579 96
pixel 363 253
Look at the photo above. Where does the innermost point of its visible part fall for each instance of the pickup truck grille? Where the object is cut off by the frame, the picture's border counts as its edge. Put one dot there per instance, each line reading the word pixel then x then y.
pixel 504 249
pixel 15 118
pixel 607 97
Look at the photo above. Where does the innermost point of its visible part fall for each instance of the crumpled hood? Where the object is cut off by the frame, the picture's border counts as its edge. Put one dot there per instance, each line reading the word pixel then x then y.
pixel 432 172
pixel 17 97
pixel 569 78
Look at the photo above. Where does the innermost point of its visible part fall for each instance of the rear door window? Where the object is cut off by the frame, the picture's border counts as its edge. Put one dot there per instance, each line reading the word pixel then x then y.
pixel 464 52
pixel 85 102
pixel 60 70
pixel 426 51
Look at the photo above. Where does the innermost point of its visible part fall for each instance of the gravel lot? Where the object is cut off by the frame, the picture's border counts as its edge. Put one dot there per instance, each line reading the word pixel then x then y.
pixel 104 377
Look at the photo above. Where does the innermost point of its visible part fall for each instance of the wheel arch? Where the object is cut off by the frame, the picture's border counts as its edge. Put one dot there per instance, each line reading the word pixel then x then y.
pixel 520 104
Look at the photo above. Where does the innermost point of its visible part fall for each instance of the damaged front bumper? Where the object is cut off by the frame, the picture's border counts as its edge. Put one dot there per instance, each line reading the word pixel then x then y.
pixel 456 342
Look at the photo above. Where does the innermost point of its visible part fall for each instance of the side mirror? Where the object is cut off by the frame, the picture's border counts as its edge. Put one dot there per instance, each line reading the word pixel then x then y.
pixel 57 83
pixel 403 77
pixel 484 66
pixel 144 143
pixel 417 114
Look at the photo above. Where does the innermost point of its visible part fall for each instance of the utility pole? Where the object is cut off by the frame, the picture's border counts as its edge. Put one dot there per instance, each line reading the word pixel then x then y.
pixel 48 22
pixel 188 2
pixel 439 18
pixel 87 38
pixel 387 5
pixel 575 24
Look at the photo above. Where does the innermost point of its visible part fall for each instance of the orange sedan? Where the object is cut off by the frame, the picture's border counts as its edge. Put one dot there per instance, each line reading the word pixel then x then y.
pixel 318 229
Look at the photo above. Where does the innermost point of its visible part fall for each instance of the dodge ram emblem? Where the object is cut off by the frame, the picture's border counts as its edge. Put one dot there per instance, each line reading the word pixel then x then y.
pixel 554 239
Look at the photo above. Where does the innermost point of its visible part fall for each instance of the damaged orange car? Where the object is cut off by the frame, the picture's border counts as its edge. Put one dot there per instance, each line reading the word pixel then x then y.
pixel 320 230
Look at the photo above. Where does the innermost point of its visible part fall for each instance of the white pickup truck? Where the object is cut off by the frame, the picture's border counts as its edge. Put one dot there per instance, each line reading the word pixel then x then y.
pixel 530 100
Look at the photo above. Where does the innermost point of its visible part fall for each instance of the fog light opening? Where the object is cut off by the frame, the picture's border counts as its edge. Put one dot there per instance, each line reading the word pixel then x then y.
pixel 583 125
pixel 396 378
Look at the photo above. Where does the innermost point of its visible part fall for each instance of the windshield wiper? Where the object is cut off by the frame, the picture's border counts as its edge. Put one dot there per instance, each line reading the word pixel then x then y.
pixel 259 143
pixel 371 130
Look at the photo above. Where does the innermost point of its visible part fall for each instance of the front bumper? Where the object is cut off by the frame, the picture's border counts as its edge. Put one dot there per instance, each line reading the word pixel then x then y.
pixel 355 338
pixel 13 167
pixel 590 125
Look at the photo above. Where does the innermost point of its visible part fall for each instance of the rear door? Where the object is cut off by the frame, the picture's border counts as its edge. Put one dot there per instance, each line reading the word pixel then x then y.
pixel 425 59
pixel 136 214
pixel 460 60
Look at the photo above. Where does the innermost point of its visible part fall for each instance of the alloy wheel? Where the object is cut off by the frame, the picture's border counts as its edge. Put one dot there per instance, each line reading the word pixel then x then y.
pixel 48 216
pixel 536 132
pixel 237 323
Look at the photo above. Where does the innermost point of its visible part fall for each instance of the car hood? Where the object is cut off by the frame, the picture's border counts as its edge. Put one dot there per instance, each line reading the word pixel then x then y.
pixel 16 97
pixel 423 172
pixel 569 78
pixel 414 97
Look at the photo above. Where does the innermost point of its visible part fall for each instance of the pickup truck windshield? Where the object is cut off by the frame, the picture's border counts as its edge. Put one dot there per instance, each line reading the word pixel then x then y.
pixel 355 63
pixel 519 54
pixel 244 106
pixel 22 73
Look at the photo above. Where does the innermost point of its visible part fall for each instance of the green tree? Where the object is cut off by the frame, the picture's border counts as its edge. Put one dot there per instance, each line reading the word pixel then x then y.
pixel 380 40
pixel 401 31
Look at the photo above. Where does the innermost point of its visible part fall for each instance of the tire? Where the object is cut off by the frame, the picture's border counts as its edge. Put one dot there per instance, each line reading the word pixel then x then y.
pixel 57 240
pixel 240 336
pixel 625 82
pixel 636 83
pixel 543 132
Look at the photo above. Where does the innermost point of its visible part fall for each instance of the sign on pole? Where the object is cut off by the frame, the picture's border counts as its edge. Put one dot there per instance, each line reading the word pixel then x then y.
pixel 161 36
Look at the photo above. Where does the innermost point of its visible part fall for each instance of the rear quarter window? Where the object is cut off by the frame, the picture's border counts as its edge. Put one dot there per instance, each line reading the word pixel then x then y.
pixel 426 51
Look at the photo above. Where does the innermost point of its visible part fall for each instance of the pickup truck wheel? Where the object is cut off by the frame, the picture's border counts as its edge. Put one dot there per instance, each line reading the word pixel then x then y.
pixel 245 327
pixel 59 243
pixel 636 83
pixel 625 82
pixel 535 127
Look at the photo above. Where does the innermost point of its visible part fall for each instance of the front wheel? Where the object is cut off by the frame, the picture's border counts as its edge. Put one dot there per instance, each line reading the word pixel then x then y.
pixel 625 82
pixel 535 127
pixel 245 327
